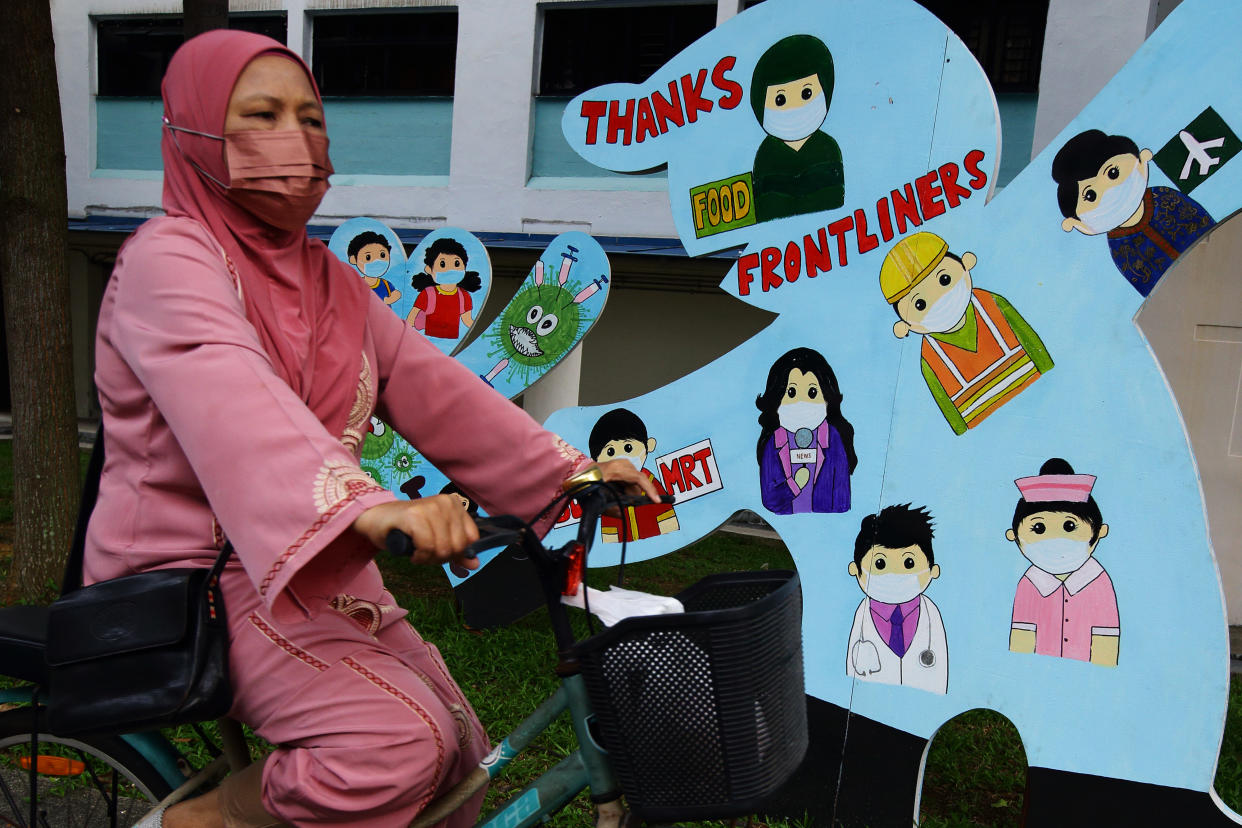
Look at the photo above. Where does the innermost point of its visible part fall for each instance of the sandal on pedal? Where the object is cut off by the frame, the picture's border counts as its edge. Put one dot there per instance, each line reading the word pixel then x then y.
pixel 155 819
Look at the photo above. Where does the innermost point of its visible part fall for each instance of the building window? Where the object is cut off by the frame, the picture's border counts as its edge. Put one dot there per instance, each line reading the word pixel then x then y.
pixel 132 53
pixel 387 82
pixel 577 55
pixel 385 55
pixel 1006 38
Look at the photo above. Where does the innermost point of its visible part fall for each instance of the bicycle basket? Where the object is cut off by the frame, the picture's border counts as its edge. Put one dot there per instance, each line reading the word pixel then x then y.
pixel 703 714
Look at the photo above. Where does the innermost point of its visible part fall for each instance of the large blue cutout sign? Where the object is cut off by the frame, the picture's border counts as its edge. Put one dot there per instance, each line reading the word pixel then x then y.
pixel 953 422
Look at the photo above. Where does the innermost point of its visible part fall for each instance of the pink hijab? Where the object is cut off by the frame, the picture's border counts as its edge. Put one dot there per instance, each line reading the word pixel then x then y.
pixel 308 308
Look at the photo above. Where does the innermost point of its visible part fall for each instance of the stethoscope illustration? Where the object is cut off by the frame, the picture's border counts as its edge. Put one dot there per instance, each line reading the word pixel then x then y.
pixel 927 657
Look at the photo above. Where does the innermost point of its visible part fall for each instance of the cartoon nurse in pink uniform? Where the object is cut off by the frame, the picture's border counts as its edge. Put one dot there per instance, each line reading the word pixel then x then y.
pixel 1065 604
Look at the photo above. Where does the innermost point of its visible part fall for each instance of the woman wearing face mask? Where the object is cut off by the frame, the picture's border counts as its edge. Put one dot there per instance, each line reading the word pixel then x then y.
pixel 238 364
pixel 806 446
pixel 798 167
pixel 1065 604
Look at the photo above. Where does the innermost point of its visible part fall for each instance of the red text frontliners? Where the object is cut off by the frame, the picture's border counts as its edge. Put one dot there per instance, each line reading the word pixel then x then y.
pixel 928 196
pixel 636 119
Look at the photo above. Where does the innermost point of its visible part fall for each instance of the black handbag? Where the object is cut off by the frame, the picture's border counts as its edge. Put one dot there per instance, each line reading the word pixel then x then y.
pixel 135 653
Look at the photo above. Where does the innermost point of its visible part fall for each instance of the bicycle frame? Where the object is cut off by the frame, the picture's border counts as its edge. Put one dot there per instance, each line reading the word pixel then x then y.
pixel 587 767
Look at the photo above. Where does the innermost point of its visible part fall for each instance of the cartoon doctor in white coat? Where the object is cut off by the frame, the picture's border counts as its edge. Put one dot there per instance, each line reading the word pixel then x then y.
pixel 897 637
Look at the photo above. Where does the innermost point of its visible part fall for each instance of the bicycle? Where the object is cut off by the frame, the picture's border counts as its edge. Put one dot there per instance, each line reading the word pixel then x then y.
pixel 606 686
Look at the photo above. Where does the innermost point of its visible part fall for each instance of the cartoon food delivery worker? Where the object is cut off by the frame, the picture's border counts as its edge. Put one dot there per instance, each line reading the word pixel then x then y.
pixel 1102 191
pixel 798 168
pixel 978 352
pixel 369 254
pixel 444 305
pixel 1065 604
pixel 898 636
pixel 620 433
pixel 805 449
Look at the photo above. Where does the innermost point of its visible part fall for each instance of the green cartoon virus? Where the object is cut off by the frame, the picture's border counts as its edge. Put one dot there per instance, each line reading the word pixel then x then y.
pixel 378 441
pixel 541 323
pixel 373 471
pixel 403 460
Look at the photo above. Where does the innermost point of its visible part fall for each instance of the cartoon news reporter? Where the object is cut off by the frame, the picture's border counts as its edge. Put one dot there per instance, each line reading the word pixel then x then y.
pixel 898 636
pixel 805 449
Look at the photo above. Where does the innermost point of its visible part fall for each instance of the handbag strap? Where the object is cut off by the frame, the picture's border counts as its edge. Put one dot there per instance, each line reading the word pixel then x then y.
pixel 90 494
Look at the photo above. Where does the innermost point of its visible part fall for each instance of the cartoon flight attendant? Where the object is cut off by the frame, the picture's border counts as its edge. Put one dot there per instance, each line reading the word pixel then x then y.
pixel 443 305
pixel 798 168
pixel 978 352
pixel 1102 190
pixel 369 254
pixel 806 446
pixel 1065 603
pixel 898 636
pixel 621 433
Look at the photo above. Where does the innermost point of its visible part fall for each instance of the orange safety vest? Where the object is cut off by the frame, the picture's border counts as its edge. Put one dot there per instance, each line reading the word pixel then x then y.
pixel 981 381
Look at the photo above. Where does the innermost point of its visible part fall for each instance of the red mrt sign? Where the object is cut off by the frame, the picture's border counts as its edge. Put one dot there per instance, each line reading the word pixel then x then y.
pixel 687 473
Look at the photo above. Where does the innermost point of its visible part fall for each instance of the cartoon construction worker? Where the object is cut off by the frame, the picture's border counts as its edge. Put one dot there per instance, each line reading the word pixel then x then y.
pixel 797 167
pixel 1065 604
pixel 978 352
pixel 444 286
pixel 1102 190
pixel 369 254
pixel 806 446
pixel 620 433
pixel 898 636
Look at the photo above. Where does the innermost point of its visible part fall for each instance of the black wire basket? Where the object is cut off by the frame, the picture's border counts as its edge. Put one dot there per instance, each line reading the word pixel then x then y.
pixel 703 714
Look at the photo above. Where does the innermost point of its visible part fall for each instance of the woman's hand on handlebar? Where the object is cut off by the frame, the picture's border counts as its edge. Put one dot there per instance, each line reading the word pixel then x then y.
pixel 440 528
pixel 623 472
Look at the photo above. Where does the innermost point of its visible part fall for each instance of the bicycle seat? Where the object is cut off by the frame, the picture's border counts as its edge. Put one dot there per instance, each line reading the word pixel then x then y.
pixel 23 639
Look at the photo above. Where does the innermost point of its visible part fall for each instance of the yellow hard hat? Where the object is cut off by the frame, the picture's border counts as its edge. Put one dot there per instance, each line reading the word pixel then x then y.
pixel 908 262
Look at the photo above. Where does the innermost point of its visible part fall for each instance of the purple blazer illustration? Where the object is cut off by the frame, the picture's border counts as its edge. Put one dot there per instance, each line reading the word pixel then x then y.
pixel 806 447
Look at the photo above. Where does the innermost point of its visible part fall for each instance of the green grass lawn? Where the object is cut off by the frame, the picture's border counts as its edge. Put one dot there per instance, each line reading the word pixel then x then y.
pixel 976 768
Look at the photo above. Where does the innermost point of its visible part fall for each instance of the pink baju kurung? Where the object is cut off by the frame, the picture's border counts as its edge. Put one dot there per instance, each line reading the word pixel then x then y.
pixel 1064 615
pixel 205 441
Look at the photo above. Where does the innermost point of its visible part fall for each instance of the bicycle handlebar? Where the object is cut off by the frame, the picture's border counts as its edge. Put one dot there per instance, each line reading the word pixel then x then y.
pixel 505 530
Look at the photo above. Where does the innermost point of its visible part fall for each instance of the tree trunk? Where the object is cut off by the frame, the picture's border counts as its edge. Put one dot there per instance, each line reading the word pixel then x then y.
pixel 35 281
pixel 203 15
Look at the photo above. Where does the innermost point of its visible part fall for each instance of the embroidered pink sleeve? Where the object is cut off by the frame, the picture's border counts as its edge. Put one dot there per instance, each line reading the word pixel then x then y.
pixel 488 446
pixel 284 490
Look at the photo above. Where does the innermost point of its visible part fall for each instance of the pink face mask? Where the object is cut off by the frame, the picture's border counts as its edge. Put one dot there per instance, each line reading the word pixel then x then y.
pixel 279 176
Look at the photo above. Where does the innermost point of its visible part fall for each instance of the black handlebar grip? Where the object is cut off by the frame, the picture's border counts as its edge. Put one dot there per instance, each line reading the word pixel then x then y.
pixel 400 545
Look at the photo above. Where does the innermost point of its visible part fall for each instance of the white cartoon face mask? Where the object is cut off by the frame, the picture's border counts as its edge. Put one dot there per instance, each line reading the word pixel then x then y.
pixel 1057 556
pixel 796 123
pixel 1117 203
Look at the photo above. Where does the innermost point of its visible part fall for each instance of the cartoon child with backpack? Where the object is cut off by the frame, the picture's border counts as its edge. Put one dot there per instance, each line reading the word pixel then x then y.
pixel 444 286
